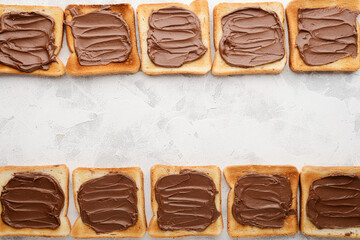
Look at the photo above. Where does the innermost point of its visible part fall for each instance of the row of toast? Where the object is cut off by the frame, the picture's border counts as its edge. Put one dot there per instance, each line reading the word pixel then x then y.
pixel 175 38
pixel 186 201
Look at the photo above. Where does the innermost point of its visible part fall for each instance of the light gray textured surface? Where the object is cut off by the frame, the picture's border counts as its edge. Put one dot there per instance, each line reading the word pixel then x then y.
pixel 137 120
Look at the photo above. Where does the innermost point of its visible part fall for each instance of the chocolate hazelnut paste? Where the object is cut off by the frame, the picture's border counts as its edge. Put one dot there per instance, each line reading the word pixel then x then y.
pixel 326 34
pixel 186 201
pixel 251 37
pixel 27 41
pixel 334 202
pixel 101 37
pixel 174 37
pixel 32 200
pixel 108 203
pixel 263 201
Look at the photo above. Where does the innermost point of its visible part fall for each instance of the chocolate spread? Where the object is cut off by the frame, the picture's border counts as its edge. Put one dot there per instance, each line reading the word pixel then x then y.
pixel 263 201
pixel 32 200
pixel 174 37
pixel 334 202
pixel 108 203
pixel 27 41
pixel 186 201
pixel 326 34
pixel 251 37
pixel 101 37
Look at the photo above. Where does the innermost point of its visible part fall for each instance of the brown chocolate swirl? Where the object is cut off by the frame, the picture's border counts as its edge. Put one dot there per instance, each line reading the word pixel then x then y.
pixel 32 200
pixel 174 37
pixel 108 203
pixel 261 200
pixel 334 202
pixel 251 37
pixel 186 201
pixel 27 41
pixel 101 37
pixel 326 35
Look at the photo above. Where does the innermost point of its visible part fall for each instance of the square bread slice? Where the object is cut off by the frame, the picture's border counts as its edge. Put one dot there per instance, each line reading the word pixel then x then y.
pixel 220 67
pixel 131 65
pixel 56 68
pixel 296 62
pixel 159 171
pixel 307 176
pixel 198 67
pixel 81 230
pixel 61 174
pixel 237 230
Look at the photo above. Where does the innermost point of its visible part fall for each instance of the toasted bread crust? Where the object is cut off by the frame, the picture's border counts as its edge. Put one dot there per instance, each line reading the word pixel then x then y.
pixel 81 230
pixel 157 172
pixel 237 230
pixel 296 62
pixel 220 67
pixel 61 174
pixel 131 65
pixel 198 67
pixel 57 68
pixel 307 176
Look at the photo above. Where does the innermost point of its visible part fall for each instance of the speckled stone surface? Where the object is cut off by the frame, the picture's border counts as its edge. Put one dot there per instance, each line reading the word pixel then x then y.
pixel 138 120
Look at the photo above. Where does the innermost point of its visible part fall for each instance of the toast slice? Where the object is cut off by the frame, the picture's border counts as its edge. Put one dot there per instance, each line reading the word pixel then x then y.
pixel 159 171
pixel 220 67
pixel 296 62
pixel 81 230
pixel 198 67
pixel 131 65
pixel 55 68
pixel 61 174
pixel 237 230
pixel 307 176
